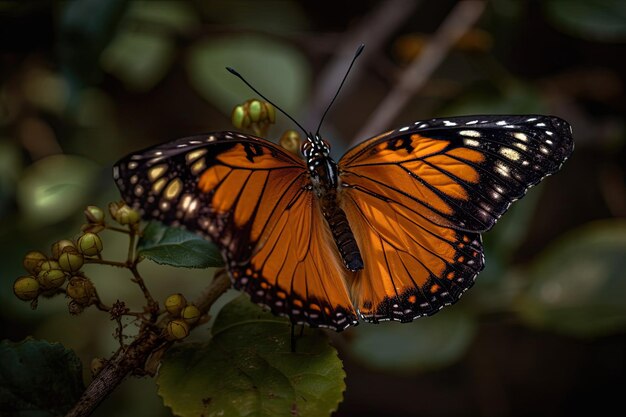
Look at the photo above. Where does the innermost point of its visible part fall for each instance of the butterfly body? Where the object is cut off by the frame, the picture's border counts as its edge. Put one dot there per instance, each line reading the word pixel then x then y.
pixel 389 232
pixel 326 185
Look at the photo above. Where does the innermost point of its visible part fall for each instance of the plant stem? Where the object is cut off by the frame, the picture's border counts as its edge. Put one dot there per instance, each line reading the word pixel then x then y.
pixel 134 357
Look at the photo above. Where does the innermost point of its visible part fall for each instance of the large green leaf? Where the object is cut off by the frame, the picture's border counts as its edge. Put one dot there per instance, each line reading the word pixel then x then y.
pixel 427 343
pixel 274 68
pixel 38 379
pixel 55 187
pixel 140 56
pixel 177 247
pixel 248 369
pixel 579 286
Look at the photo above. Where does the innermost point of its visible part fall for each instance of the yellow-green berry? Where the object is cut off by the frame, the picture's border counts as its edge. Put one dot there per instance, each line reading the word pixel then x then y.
pixel 290 140
pixel 126 216
pixel 191 314
pixel 175 303
pixel 33 260
pixel 80 289
pixel 238 117
pixel 26 288
pixel 114 207
pixel 271 113
pixel 94 214
pixel 52 278
pixel 255 110
pixel 61 246
pixel 47 265
pixel 177 329
pixel 90 244
pixel 71 261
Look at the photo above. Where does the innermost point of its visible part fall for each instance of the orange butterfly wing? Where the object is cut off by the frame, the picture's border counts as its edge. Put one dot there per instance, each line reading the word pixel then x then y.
pixel 417 198
pixel 253 200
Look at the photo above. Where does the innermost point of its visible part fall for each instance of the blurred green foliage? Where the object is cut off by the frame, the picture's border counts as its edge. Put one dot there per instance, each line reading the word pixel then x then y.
pixel 84 82
pixel 38 379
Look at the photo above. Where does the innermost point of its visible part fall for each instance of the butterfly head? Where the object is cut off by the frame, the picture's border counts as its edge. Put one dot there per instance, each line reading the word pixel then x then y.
pixel 322 168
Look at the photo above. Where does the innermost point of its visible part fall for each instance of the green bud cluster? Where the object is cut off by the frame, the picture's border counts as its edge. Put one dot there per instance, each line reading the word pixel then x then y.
pixel 48 274
pixel 185 315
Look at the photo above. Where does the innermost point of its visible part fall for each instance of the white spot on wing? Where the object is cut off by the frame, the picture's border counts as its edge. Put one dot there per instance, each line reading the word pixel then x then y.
pixel 404 129
pixel 471 142
pixel 448 123
pixel 510 154
pixel 470 133
pixel 520 136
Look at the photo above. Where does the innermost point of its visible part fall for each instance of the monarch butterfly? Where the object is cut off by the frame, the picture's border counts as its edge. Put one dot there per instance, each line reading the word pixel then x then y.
pixel 389 232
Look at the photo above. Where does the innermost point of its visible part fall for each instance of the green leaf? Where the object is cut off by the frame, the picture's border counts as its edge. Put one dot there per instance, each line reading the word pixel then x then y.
pixel 427 343
pixel 578 287
pixel 177 247
pixel 600 20
pixel 141 55
pixel 55 187
pixel 276 69
pixel 38 379
pixel 248 369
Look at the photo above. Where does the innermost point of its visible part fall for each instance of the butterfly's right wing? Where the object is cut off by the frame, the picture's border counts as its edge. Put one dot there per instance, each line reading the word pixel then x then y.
pixel 253 200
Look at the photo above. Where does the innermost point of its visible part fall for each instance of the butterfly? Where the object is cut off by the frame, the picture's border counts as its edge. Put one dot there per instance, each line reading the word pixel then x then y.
pixel 392 231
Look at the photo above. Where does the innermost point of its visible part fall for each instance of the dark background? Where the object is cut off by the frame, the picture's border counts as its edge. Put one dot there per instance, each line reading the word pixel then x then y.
pixel 543 332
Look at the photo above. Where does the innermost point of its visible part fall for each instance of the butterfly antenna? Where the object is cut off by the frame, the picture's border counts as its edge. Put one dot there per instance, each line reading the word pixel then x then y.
pixel 235 73
pixel 356 55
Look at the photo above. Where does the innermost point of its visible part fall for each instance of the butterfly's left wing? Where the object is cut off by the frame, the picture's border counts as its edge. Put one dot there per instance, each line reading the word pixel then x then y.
pixel 254 201
pixel 418 197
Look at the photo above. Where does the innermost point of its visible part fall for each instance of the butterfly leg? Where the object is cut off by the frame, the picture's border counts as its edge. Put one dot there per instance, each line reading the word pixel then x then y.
pixel 293 338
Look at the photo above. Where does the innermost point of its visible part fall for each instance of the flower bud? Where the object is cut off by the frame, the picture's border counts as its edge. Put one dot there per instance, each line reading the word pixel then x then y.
pixel 61 246
pixel 290 140
pixel 271 113
pixel 80 289
pixel 47 265
pixel 126 216
pixel 52 278
pixel 177 329
pixel 71 261
pixel 191 314
pixel 94 214
pixel 256 110
pixel 75 308
pixel 90 244
pixel 239 118
pixel 175 303
pixel 26 288
pixel 33 260
pixel 114 207
pixel 96 366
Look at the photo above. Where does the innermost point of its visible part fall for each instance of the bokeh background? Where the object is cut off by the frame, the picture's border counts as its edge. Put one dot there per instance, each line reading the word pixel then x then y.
pixel 543 331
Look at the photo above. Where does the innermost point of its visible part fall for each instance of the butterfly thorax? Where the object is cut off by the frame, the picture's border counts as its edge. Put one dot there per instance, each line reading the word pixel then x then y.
pixel 324 176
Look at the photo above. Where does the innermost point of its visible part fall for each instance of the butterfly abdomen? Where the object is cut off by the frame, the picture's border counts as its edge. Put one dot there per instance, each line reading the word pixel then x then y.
pixel 342 233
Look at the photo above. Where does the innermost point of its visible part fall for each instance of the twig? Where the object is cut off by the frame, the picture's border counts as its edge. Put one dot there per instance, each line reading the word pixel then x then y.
pixel 150 340
pixel 373 30
pixel 457 23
